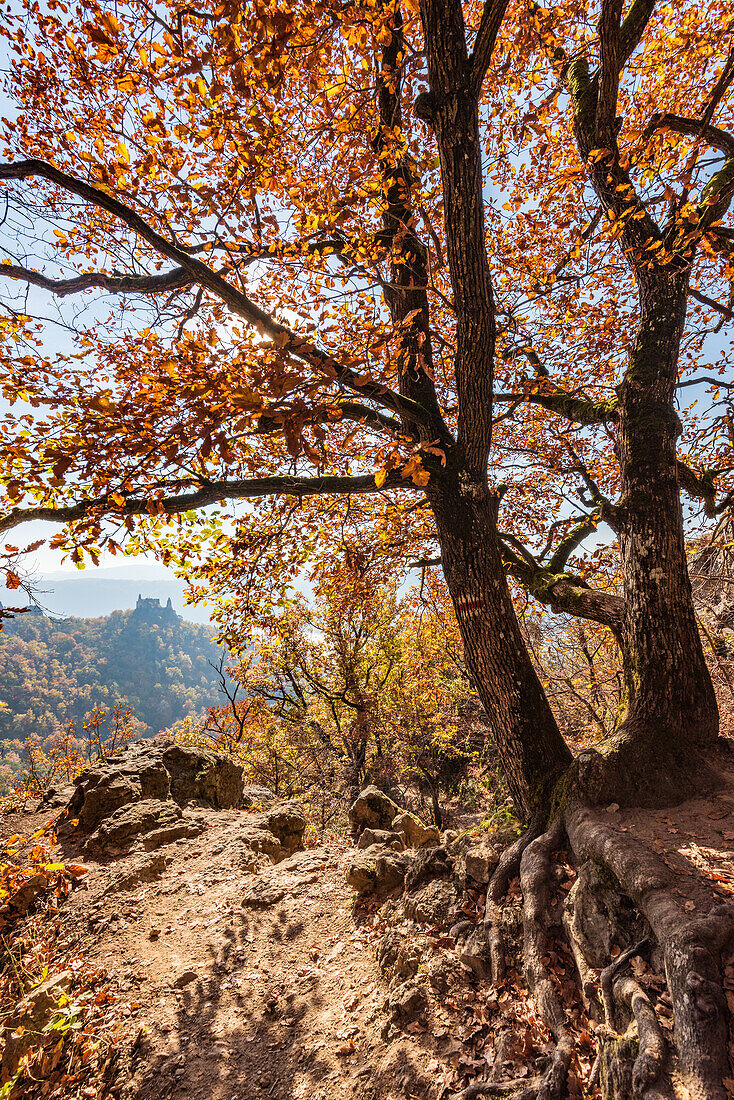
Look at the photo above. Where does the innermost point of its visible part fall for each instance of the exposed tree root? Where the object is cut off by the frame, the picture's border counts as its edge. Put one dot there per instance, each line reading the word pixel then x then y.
pixel 507 869
pixel 536 880
pixel 650 1061
pixel 680 924
pixel 524 1088
pixel 692 953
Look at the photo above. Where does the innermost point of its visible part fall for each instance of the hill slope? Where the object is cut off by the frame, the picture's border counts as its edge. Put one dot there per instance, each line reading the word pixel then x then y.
pixel 54 670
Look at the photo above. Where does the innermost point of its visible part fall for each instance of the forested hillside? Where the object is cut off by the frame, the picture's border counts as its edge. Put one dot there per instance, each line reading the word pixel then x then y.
pixel 53 671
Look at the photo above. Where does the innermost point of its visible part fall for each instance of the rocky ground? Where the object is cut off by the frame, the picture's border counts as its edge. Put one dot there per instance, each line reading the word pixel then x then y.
pixel 236 965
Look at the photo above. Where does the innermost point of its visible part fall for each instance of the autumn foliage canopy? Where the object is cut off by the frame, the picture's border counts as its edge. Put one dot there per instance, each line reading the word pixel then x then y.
pixel 418 280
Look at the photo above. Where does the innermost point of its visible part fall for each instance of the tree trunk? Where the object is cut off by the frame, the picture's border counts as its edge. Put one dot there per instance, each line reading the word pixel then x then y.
pixel 531 749
pixel 672 705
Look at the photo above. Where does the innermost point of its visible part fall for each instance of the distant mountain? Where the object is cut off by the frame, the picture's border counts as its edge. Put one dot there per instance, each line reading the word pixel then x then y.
pixel 90 593
pixel 54 670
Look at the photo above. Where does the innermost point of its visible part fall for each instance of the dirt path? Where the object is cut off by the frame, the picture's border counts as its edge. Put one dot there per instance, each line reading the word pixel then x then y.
pixel 237 983
pixel 278 997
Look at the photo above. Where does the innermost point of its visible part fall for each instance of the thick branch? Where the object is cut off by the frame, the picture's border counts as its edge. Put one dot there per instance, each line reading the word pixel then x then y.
pixel 275 420
pixel 118 284
pixel 692 127
pixel 702 487
pixel 565 593
pixel 234 298
pixel 633 28
pixel 572 540
pixel 609 70
pixel 489 27
pixel 246 489
pixel 454 117
pixel 575 409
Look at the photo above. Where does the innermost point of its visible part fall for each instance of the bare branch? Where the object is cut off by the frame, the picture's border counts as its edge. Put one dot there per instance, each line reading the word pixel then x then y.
pixel 215 493
pixel 118 284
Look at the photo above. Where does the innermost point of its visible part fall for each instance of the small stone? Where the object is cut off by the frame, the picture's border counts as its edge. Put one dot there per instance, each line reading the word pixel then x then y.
pixel 185 978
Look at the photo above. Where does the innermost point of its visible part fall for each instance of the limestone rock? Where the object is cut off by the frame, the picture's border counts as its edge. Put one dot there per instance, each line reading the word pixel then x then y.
pixel 154 770
pixel 480 863
pixel 428 864
pixel 254 796
pixel 198 775
pixel 362 873
pixel 55 798
pixel 22 899
pixel 432 904
pixel 446 973
pixel 381 836
pixel 290 876
pixel 137 869
pixel 287 821
pixel 391 868
pixel 407 1002
pixel 261 840
pixel 398 957
pixel 153 821
pixel 372 810
pixel 414 833
pixel 474 953
pixel 24 1028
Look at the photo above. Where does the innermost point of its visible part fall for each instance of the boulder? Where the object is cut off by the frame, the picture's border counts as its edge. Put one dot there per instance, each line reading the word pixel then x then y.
pixel 55 798
pixel 381 836
pixel 391 868
pixel 414 833
pixel 287 821
pixel 446 974
pixel 372 810
pixel 407 1003
pixel 23 898
pixel 292 876
pixel 473 952
pixel 154 770
pixel 398 957
pixel 261 840
pixel 23 1029
pixel 428 864
pixel 151 821
pixel 362 873
pixel 198 775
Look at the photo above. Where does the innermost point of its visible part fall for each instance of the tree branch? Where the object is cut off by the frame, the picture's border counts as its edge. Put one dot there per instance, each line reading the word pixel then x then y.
pixel 609 70
pixel 633 28
pixel 273 420
pixel 702 487
pixel 246 489
pixel 234 298
pixel 119 284
pixel 575 409
pixel 574 538
pixel 489 27
pixel 692 127
pixel 565 593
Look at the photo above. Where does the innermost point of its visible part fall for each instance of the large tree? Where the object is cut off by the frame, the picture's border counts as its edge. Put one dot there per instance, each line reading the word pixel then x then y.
pixel 298 195
pixel 451 258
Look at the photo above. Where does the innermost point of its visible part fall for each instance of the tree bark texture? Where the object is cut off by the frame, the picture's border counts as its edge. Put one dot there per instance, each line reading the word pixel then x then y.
pixel 531 749
pixel 672 701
